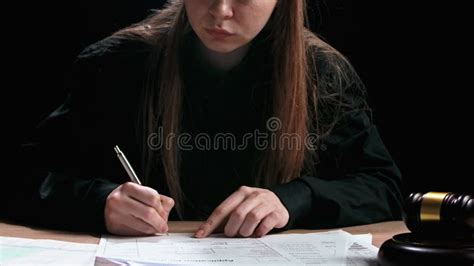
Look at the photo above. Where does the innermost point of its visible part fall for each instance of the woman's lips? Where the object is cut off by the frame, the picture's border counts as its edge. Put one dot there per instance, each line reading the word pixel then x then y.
pixel 219 33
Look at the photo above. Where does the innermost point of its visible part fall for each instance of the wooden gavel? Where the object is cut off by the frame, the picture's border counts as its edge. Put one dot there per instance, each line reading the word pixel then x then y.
pixel 442 232
pixel 441 213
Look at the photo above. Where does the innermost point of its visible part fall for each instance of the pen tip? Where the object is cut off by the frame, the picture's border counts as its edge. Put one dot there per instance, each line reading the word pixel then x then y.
pixel 116 148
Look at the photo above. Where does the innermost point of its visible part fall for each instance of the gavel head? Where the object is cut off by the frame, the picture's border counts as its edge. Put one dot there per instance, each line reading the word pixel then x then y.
pixel 440 213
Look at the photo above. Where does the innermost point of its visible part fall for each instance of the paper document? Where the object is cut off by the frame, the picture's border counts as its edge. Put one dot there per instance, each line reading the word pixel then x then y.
pixel 360 253
pixel 23 251
pixel 328 248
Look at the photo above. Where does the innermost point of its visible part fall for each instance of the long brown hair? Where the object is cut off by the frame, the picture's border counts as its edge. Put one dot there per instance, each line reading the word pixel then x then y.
pixel 302 99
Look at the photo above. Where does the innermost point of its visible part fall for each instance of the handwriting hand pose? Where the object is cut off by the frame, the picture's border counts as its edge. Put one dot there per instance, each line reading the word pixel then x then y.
pixel 132 209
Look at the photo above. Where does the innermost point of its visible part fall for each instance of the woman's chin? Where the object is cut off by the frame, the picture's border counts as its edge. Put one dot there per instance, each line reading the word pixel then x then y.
pixel 222 48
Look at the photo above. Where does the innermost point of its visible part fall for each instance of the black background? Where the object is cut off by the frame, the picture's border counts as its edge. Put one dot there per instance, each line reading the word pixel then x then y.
pixel 410 56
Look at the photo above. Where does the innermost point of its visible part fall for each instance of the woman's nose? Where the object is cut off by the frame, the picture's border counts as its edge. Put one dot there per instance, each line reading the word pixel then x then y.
pixel 221 9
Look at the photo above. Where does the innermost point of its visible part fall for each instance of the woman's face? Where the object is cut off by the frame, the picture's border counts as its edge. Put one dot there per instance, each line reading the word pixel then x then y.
pixel 225 25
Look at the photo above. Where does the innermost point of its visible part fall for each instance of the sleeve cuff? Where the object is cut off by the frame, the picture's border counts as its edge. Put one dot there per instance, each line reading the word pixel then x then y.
pixel 98 193
pixel 296 197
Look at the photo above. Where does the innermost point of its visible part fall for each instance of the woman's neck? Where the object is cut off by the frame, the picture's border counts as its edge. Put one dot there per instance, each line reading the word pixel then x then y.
pixel 222 61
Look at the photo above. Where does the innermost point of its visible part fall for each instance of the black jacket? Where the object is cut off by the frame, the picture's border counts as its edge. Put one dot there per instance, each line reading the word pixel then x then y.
pixel 73 164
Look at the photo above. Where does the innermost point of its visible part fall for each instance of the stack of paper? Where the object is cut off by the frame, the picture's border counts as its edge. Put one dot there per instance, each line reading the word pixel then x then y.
pixel 328 248
pixel 23 251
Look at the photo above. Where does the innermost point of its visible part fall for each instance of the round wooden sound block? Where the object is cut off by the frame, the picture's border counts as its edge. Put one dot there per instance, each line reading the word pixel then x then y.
pixel 412 249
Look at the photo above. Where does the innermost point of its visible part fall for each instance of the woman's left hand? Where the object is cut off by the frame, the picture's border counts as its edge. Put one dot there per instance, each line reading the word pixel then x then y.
pixel 248 211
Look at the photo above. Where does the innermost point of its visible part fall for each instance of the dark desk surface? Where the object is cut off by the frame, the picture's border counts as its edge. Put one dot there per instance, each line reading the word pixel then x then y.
pixel 380 231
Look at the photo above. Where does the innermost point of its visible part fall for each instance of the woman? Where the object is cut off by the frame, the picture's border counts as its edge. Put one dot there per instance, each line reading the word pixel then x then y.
pixel 201 73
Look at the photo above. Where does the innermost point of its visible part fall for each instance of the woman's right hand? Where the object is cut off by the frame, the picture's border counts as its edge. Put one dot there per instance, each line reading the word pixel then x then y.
pixel 132 209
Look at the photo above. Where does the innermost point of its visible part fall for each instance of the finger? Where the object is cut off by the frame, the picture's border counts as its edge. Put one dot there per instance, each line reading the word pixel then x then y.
pixel 130 225
pixel 221 213
pixel 145 213
pixel 128 231
pixel 140 226
pixel 237 217
pixel 167 202
pixel 146 195
pixel 267 224
pixel 253 219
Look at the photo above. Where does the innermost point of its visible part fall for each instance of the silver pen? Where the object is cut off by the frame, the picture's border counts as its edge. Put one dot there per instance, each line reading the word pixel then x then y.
pixel 127 166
